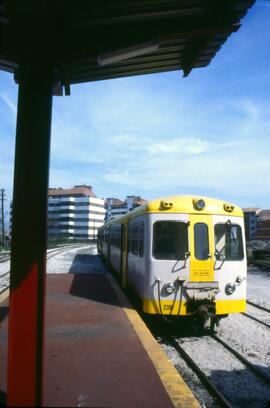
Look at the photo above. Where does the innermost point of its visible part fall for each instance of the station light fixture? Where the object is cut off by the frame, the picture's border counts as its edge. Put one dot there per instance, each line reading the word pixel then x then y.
pixel 129 52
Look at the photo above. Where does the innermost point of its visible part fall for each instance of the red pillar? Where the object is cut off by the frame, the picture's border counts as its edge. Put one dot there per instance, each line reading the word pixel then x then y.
pixel 29 236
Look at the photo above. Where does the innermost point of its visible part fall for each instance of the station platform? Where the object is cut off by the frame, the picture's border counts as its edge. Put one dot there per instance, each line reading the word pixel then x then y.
pixel 98 352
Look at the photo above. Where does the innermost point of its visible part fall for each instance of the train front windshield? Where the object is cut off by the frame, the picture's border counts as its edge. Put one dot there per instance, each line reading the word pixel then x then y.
pixel 229 242
pixel 170 240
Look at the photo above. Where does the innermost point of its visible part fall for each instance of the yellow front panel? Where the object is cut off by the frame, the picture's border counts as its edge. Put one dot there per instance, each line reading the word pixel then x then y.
pixel 230 306
pixel 170 307
pixel 201 270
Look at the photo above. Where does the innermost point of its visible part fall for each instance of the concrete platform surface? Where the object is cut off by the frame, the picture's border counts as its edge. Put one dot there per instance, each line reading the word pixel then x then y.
pixel 98 352
pixel 93 357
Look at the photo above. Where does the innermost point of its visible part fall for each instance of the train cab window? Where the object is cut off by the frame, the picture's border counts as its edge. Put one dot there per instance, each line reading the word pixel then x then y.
pixel 201 241
pixel 170 240
pixel 228 242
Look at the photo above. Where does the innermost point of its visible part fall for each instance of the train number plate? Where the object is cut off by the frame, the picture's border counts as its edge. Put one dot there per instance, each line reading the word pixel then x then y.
pixel 167 307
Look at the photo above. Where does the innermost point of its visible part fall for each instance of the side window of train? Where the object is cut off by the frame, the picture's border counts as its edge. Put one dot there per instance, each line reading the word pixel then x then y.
pixel 170 240
pixel 135 241
pixel 201 241
pixel 108 232
pixel 129 238
pixel 228 242
pixel 141 239
pixel 118 236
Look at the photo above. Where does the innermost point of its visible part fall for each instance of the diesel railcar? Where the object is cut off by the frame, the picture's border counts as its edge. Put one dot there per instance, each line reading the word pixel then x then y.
pixel 182 255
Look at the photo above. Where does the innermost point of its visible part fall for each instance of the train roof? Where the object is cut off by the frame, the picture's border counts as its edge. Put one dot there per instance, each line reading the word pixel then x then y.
pixel 182 204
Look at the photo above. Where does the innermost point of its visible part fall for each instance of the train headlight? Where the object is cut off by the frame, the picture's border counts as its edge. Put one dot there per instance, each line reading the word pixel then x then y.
pixel 228 207
pixel 166 205
pixel 170 287
pixel 199 204
pixel 230 288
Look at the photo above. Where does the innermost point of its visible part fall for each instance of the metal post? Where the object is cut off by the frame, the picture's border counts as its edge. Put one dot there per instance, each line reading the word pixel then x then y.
pixel 29 236
pixel 3 219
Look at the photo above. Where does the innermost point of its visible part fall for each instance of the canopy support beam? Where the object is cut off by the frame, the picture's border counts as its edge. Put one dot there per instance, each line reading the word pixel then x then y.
pixel 29 235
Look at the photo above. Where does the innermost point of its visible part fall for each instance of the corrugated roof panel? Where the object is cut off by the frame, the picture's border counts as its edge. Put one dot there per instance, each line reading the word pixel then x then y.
pixel 74 35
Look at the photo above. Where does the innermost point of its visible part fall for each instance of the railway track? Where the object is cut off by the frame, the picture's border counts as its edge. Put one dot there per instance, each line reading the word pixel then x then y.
pixel 59 250
pixel 258 372
pixel 255 318
pixel 258 306
pixel 187 349
pixel 50 254
pixel 205 380
pixel 4 257
pixel 222 399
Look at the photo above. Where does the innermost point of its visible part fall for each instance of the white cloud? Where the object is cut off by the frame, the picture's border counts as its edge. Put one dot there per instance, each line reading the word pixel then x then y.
pixel 221 147
pixel 225 168
pixel 183 146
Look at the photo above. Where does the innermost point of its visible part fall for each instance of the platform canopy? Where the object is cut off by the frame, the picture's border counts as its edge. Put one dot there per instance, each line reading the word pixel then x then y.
pixel 90 40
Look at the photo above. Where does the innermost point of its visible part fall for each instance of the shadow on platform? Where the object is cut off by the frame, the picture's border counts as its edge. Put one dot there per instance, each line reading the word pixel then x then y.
pixel 95 287
pixel 87 263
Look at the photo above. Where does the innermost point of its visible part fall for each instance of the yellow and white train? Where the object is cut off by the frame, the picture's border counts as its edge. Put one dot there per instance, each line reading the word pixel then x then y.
pixel 182 255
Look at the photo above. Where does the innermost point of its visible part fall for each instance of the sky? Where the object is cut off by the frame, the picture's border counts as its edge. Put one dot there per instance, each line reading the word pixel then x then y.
pixel 162 134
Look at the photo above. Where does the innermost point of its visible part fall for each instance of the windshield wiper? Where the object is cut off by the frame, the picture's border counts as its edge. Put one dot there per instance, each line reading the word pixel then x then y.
pixel 217 256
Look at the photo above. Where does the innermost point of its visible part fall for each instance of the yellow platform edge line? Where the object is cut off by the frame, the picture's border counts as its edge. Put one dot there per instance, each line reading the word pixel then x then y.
pixel 177 389
pixel 4 295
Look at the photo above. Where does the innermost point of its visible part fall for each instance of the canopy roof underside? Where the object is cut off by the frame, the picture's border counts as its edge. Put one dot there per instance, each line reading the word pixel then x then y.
pixel 74 36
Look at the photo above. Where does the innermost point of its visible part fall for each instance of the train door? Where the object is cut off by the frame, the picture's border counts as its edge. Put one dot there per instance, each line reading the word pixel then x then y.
pixel 201 248
pixel 124 254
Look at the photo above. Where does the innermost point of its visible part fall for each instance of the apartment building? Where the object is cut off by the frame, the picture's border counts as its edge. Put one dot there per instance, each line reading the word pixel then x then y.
pixel 263 225
pixel 250 218
pixel 74 213
pixel 116 207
